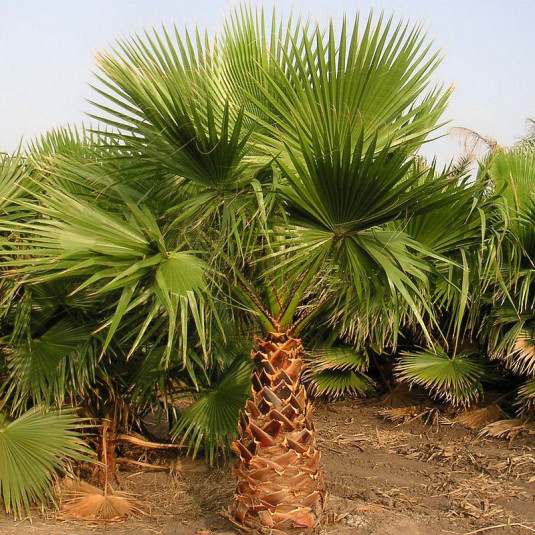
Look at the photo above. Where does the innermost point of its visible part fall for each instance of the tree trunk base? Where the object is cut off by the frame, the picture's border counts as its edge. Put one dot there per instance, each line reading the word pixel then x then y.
pixel 279 482
pixel 106 470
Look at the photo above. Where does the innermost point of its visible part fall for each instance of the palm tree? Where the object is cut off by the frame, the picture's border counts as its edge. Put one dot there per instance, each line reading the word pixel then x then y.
pixel 452 367
pixel 260 174
pixel 509 326
pixel 35 444
pixel 53 348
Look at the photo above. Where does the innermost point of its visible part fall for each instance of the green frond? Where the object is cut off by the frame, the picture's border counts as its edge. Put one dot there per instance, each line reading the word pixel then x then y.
pixel 526 397
pixel 169 113
pixel 123 255
pixel 457 232
pixel 455 379
pixel 65 140
pixel 512 172
pixel 334 384
pixel 14 182
pixel 32 449
pixel 521 357
pixel 511 338
pixel 53 367
pixel 211 421
pixel 368 79
pixel 336 358
pixel 335 372
pixel 348 188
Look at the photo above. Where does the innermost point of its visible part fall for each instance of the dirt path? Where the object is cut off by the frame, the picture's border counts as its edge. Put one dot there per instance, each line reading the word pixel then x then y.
pixel 383 479
pixel 421 480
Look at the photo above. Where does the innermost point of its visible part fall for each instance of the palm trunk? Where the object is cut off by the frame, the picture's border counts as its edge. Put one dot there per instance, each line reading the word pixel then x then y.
pixel 279 482
pixel 107 456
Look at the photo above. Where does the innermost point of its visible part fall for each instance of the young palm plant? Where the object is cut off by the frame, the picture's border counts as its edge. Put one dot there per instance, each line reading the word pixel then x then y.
pixel 257 173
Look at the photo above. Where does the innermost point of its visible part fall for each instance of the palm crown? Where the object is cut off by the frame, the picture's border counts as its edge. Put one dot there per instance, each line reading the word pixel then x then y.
pixel 280 152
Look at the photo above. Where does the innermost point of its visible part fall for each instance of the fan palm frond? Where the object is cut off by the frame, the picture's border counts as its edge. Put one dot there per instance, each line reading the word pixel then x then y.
pixel 47 370
pixel 508 429
pixel 32 449
pixel 81 501
pixel 478 418
pixel 54 155
pixel 457 232
pixel 124 257
pixel 475 145
pixel 521 359
pixel 14 183
pixel 335 372
pixel 510 337
pixel 526 398
pixel 170 113
pixel 456 379
pixel 512 172
pixel 211 421
pixel 367 76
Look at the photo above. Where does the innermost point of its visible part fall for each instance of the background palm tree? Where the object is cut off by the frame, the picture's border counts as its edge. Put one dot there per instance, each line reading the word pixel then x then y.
pixel 508 325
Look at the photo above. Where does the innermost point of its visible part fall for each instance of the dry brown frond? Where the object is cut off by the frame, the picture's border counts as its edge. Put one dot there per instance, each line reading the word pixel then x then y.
pixel 184 466
pixel 147 444
pixel 522 358
pixel 405 414
pixel 507 428
pixel 478 418
pixel 475 145
pixel 401 396
pixel 82 501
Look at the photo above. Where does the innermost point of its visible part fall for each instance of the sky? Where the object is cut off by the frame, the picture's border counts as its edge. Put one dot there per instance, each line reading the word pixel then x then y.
pixel 47 56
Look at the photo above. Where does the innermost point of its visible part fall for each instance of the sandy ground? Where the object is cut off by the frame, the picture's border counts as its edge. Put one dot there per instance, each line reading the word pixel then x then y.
pixel 383 479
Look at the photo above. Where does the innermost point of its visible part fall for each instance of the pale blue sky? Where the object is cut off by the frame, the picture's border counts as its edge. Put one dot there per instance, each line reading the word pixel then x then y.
pixel 47 55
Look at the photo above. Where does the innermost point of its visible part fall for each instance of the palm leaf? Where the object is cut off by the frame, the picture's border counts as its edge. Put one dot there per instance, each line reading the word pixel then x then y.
pixel 335 372
pixel 59 364
pixel 513 174
pixel 212 420
pixel 32 449
pixel 170 112
pixel 123 256
pixel 334 84
pixel 526 397
pixel 14 182
pixel 456 379
pixel 521 359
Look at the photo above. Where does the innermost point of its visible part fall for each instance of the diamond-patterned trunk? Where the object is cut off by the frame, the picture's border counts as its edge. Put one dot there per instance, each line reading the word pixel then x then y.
pixel 279 482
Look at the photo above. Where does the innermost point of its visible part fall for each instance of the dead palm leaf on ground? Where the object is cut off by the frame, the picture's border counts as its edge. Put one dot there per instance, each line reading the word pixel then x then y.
pixel 82 501
pixel 508 429
pixel 407 414
pixel 402 395
pixel 478 418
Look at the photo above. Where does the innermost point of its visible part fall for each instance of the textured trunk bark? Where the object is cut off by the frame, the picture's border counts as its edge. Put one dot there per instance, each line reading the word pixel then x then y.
pixel 279 483
pixel 106 453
